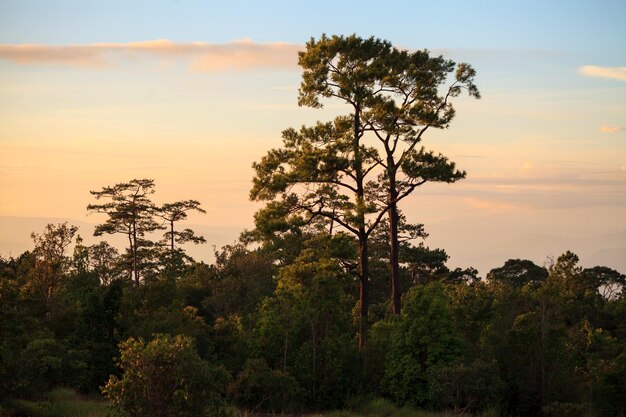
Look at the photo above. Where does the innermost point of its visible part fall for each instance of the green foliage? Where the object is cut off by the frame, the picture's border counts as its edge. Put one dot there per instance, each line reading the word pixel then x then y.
pixel 241 279
pixel 165 377
pixel 518 272
pixel 51 262
pixel 473 309
pixel 280 316
pixel 607 282
pixel 424 338
pixel 465 387
pixel 396 96
pixel 132 212
pixel 379 340
pixel 175 212
pixel 96 334
pixel 284 326
pixel 258 387
pixel 47 363
pixel 304 327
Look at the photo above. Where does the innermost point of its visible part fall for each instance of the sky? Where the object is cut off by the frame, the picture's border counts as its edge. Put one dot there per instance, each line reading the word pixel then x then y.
pixel 190 93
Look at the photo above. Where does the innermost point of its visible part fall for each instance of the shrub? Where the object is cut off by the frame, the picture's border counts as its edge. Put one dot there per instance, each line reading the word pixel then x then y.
pixel 165 378
pixel 258 387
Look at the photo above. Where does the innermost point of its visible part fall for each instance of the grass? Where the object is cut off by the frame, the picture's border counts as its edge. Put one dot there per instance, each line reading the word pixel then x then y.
pixel 383 408
pixel 61 402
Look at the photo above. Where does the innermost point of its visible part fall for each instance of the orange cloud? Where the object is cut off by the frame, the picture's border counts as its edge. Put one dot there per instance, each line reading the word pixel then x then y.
pixel 615 73
pixel 237 55
pixel 40 54
pixel 612 129
pixel 490 205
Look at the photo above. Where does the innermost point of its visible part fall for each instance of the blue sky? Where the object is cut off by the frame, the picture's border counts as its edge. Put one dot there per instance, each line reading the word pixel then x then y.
pixel 191 92
pixel 589 27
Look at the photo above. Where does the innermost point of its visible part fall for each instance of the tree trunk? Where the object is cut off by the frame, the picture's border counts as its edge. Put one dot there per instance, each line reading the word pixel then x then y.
pixel 394 246
pixel 135 269
pixel 362 235
pixel 130 248
pixel 363 291
pixel 285 353
pixel 314 337
pixel 543 347
pixel 172 234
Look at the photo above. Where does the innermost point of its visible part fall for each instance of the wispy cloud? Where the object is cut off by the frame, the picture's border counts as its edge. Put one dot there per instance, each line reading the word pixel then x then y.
pixel 615 73
pixel 612 129
pixel 202 56
pixel 490 205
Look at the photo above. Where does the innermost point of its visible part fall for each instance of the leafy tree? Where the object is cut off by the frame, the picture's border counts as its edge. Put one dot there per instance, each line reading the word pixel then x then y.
pixel 394 95
pixel 15 326
pixel 425 265
pixel 104 261
pixel 322 352
pixel 47 363
pixel 319 173
pixel 566 273
pixel 380 291
pixel 131 212
pixel 241 278
pixel 80 258
pixel 165 378
pixel 302 328
pixel 424 338
pixel 379 340
pixel 607 282
pixel 473 309
pixel 579 295
pixel 51 263
pixel 467 275
pixel 518 272
pixel 175 212
pixel 98 333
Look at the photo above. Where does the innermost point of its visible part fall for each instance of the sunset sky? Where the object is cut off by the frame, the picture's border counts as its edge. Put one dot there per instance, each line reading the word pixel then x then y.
pixel 190 93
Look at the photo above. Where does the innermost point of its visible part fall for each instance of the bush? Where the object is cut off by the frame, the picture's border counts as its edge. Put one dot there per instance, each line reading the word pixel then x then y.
pixel 165 378
pixel 466 387
pixel 47 363
pixel 258 387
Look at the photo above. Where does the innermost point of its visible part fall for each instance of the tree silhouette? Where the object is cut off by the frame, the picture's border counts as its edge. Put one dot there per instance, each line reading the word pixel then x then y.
pixel 395 95
pixel 175 212
pixel 131 212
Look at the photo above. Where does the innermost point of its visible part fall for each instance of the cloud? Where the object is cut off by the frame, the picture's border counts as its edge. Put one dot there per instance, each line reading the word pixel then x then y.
pixel 612 129
pixel 490 205
pixel 615 73
pixel 236 55
pixel 528 167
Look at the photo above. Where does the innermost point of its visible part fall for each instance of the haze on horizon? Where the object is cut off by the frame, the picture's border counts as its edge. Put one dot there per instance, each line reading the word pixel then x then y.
pixel 191 93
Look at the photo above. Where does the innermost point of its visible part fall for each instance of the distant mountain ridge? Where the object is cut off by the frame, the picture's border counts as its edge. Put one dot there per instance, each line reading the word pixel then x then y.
pixel 606 249
pixel 15 235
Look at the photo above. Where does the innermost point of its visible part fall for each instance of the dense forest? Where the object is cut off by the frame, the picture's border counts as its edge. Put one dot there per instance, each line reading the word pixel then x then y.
pixel 333 298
